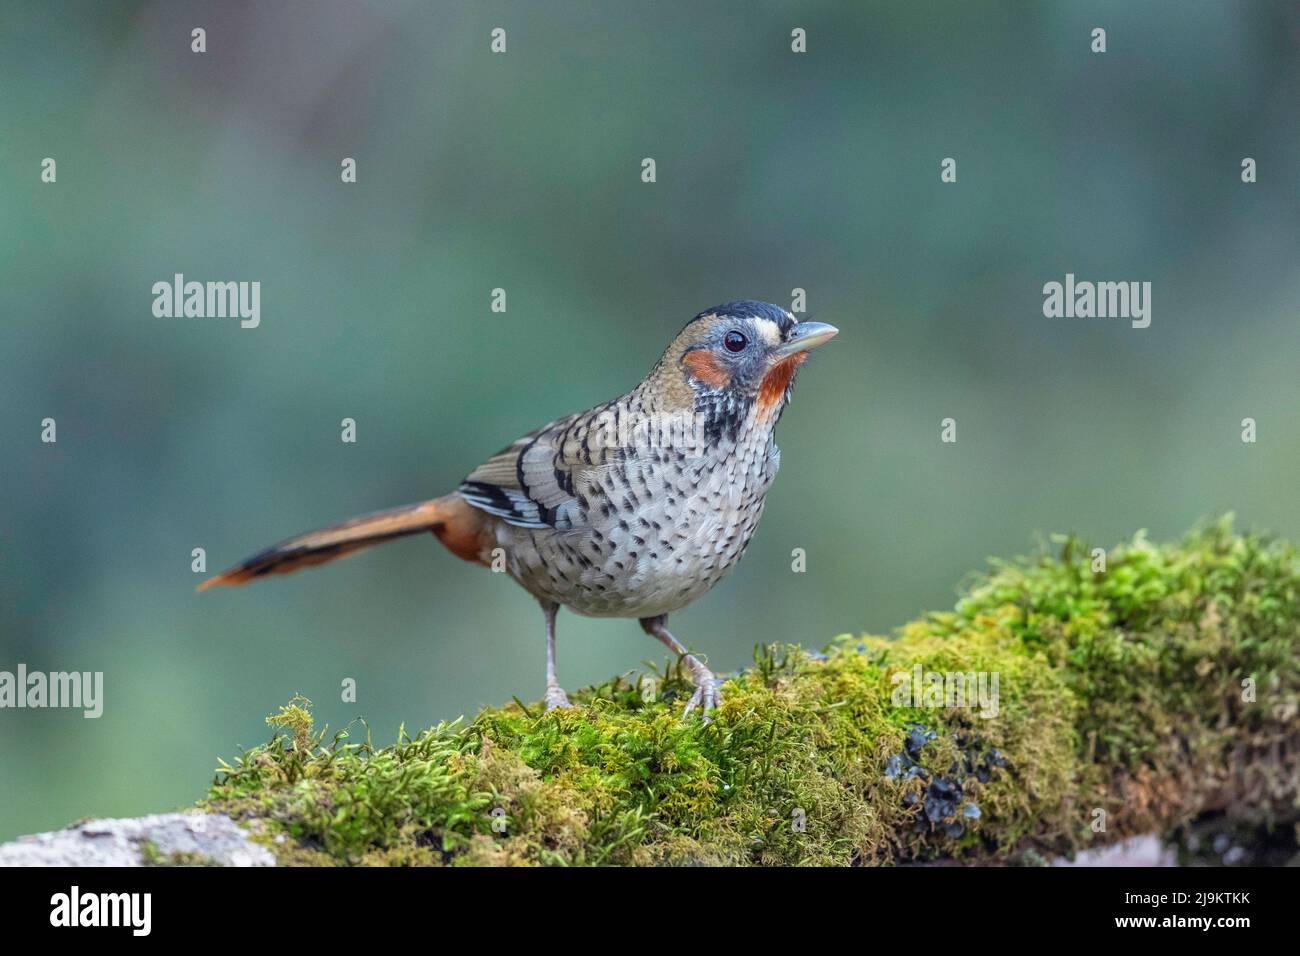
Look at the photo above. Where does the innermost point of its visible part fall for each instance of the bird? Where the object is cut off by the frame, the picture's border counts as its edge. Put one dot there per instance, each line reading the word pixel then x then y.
pixel 631 509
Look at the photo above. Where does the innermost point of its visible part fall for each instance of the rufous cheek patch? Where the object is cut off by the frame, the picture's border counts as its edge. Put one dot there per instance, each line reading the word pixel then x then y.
pixel 704 368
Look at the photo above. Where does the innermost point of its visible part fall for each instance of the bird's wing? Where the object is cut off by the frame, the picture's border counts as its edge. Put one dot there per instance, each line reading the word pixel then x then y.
pixel 536 482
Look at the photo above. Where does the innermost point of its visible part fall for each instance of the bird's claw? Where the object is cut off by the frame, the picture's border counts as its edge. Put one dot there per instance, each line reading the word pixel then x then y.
pixel 556 697
pixel 708 692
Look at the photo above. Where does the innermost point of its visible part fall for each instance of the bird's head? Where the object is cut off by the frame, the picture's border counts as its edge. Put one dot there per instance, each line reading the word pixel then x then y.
pixel 739 358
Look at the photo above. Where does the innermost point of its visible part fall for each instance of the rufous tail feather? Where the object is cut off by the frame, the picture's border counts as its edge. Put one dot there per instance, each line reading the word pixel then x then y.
pixel 450 518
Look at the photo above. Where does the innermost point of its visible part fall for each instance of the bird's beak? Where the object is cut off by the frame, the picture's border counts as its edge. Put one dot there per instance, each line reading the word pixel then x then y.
pixel 806 335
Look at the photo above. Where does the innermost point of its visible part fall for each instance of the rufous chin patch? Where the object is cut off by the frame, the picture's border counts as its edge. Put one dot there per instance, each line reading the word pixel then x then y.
pixel 705 369
pixel 775 382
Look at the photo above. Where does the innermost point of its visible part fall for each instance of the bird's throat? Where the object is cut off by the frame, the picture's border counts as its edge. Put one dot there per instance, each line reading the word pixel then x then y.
pixel 776 383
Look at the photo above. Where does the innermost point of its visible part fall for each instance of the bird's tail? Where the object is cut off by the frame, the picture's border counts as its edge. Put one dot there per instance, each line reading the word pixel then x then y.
pixel 451 519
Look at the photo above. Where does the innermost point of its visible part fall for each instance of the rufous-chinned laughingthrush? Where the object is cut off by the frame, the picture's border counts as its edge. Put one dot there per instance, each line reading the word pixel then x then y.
pixel 633 508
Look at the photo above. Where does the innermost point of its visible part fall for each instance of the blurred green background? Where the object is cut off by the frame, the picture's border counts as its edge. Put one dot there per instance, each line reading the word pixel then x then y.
pixel 522 171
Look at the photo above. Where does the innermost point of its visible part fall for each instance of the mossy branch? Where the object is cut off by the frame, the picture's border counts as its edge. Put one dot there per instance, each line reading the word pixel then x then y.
pixel 1130 699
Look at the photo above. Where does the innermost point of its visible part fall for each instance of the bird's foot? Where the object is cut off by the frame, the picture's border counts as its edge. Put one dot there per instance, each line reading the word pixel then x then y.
pixel 708 692
pixel 556 697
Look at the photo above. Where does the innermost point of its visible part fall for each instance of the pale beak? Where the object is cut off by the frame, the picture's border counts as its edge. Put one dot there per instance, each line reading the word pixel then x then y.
pixel 806 335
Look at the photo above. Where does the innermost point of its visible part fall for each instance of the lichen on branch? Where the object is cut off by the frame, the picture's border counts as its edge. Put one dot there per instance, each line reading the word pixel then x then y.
pixel 1126 700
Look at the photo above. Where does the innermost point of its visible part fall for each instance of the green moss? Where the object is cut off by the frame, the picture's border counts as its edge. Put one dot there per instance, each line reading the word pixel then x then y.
pixel 1120 698
pixel 150 855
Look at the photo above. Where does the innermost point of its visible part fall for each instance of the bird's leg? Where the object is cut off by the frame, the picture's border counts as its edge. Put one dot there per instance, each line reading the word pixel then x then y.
pixel 555 695
pixel 707 694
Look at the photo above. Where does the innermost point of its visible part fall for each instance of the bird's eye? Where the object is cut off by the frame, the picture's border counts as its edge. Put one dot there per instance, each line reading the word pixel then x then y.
pixel 735 341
